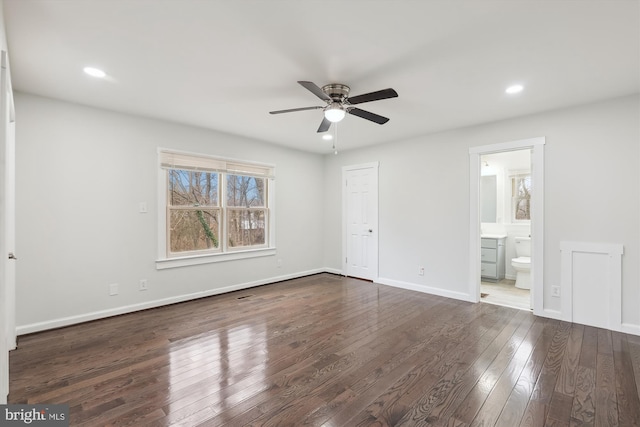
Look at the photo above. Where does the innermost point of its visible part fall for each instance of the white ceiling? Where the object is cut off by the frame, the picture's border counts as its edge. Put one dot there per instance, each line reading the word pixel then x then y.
pixel 225 64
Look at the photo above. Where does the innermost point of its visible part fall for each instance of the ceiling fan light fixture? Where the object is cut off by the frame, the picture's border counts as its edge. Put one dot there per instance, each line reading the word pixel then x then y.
pixel 334 112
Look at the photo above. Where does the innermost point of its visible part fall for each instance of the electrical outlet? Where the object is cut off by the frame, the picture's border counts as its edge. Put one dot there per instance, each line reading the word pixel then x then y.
pixel 143 285
pixel 113 289
pixel 420 271
pixel 142 207
pixel 279 262
pixel 555 291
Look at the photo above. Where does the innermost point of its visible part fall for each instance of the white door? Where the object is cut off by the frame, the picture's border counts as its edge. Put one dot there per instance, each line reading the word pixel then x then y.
pixel 360 218
pixel 7 226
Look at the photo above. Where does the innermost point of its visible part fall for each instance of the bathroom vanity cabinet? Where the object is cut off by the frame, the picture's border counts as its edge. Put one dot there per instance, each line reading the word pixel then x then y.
pixel 492 257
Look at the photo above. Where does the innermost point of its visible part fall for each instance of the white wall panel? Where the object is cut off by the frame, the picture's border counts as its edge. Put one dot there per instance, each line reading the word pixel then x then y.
pixel 591 288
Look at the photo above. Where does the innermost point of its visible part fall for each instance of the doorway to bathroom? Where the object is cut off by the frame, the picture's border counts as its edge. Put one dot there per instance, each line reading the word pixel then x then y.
pixel 506 223
pixel 505 228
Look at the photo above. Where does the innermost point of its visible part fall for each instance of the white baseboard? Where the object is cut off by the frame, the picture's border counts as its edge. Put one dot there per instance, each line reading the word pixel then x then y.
pixel 333 271
pixel 86 317
pixel 629 328
pixel 551 314
pixel 425 289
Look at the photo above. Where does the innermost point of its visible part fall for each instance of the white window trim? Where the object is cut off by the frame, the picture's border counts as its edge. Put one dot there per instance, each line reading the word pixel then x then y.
pixel 164 262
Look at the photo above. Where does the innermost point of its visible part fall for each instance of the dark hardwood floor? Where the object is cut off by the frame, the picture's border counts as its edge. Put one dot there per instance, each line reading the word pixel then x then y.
pixel 331 351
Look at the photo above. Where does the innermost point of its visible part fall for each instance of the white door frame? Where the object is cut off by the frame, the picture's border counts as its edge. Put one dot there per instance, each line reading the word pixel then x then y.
pixel 345 169
pixel 7 225
pixel 537 215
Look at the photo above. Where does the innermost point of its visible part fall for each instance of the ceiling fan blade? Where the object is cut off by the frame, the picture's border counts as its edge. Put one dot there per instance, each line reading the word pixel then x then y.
pixel 313 88
pixel 373 96
pixel 324 126
pixel 369 116
pixel 291 110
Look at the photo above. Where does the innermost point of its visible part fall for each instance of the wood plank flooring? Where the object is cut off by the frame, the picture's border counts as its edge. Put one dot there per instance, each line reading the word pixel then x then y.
pixel 505 293
pixel 326 350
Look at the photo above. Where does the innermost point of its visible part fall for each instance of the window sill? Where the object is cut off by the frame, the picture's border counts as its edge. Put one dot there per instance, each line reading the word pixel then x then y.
pixel 186 261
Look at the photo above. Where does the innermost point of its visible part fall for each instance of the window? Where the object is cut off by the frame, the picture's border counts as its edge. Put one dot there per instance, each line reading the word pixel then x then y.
pixel 246 211
pixel 214 206
pixel 521 197
pixel 193 211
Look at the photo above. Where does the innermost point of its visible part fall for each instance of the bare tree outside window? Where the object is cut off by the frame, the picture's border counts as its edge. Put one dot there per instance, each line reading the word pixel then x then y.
pixel 193 210
pixel 246 210
pixel 215 206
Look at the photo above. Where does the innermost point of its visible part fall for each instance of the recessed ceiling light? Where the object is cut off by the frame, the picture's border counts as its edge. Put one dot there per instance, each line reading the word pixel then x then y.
pixel 94 72
pixel 327 137
pixel 514 89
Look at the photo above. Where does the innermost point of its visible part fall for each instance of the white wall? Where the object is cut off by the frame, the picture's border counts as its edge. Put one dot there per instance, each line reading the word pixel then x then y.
pixel 592 194
pixel 81 174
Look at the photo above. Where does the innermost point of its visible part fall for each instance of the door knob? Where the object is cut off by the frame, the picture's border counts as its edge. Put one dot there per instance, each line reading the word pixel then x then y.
pixel 12 256
pixel 371 230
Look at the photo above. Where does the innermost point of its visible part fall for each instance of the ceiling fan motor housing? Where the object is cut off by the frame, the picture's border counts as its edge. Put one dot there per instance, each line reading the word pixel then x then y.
pixel 336 91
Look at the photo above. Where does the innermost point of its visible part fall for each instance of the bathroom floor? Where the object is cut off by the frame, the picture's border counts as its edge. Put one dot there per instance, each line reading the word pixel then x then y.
pixel 505 293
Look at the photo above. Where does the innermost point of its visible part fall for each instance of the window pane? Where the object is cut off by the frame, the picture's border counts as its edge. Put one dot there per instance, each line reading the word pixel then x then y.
pixel 189 188
pixel 524 187
pixel 522 197
pixel 245 191
pixel 523 211
pixel 246 227
pixel 193 230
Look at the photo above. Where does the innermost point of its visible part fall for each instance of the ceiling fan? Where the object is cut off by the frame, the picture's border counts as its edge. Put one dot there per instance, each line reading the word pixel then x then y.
pixel 339 103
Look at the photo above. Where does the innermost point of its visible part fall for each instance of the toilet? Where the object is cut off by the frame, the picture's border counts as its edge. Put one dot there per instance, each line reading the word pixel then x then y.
pixel 522 264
